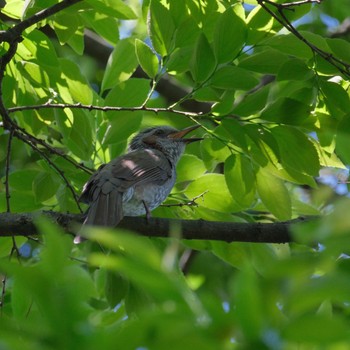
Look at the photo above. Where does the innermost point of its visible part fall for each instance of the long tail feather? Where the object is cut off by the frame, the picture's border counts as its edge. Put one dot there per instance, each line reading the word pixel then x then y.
pixel 106 210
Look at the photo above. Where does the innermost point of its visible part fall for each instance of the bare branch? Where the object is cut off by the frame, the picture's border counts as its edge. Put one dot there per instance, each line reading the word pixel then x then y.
pixel 103 108
pixel 189 203
pixel 279 232
pixel 22 133
pixel 343 67
pixel 14 33
pixel 299 3
pixel 7 171
pixel 53 165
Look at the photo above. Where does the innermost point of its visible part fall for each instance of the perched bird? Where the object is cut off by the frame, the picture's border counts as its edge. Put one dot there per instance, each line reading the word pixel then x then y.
pixel 138 181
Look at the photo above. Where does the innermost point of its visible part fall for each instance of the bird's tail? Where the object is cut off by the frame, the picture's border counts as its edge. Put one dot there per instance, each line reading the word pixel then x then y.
pixel 106 210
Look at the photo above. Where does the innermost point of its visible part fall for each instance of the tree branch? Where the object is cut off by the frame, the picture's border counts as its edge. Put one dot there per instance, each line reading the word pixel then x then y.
pixel 343 67
pixel 301 2
pixel 102 108
pixel 14 33
pixel 23 225
pixel 7 171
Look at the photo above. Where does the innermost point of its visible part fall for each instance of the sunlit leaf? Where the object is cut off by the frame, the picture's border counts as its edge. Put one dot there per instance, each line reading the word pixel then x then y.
pixel 121 64
pixel 274 195
pixel 147 59
pixel 217 195
pixel 240 180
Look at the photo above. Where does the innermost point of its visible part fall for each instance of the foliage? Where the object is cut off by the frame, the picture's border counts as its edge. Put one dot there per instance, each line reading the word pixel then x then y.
pixel 269 87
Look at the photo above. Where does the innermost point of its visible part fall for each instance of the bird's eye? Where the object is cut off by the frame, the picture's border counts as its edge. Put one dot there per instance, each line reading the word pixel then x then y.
pixel 158 132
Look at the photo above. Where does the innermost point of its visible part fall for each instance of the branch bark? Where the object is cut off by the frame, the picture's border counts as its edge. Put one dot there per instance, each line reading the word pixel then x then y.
pixel 23 224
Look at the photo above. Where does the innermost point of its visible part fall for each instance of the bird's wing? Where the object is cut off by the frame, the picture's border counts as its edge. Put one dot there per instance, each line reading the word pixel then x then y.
pixel 104 191
pixel 141 167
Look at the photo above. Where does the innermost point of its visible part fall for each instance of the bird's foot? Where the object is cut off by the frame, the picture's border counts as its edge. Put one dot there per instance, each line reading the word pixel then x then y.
pixel 148 212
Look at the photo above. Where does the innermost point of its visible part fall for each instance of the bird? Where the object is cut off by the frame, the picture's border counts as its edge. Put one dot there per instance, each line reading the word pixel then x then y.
pixel 137 182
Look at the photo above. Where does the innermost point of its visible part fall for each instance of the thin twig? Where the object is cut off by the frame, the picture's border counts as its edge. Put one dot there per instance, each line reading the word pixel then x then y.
pixel 14 33
pixel 299 3
pixel 36 141
pixel 189 203
pixel 103 108
pixel 7 171
pixel 3 292
pixel 53 165
pixel 343 67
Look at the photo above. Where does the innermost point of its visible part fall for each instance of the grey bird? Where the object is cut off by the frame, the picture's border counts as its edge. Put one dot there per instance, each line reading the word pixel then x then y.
pixel 139 181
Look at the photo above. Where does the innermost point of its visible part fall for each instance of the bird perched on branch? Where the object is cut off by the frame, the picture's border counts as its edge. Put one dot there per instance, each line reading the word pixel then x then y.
pixel 138 181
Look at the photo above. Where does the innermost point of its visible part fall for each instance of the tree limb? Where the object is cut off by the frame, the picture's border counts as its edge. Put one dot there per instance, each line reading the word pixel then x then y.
pixel 23 224
pixel 342 66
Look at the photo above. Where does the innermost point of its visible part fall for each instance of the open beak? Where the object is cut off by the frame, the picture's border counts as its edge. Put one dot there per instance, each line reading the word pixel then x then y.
pixel 179 135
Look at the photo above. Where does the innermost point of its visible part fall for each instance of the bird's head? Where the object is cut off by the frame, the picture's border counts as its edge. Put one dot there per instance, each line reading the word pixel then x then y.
pixel 166 139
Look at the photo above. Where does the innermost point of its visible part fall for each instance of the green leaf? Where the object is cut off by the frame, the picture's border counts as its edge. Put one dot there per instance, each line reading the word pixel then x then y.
pixel 76 86
pixel 186 33
pixel 41 47
pixel 335 96
pixel 342 139
pixel 179 60
pixel 22 180
pixel 316 40
pixel 230 34
pixel 161 28
pixel 116 288
pixel 225 105
pixel 290 45
pixel 21 301
pixel 65 26
pixel 203 62
pixel 147 59
pixel 274 195
pixel 104 25
pixel 121 64
pixel 261 25
pixel 76 41
pixel 340 48
pixel 296 150
pixel 189 168
pixel 240 180
pixel 65 199
pixel 115 8
pixel 268 61
pixel 252 103
pixel 306 328
pixel 214 151
pixel 328 159
pixel 294 69
pixel 231 77
pixel 120 127
pixel 7 244
pixel 45 186
pixel 13 9
pixel 35 74
pixel 80 137
pixel 218 196
pixel 249 303
pixel 130 93
pixel 235 132
pixel 286 111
